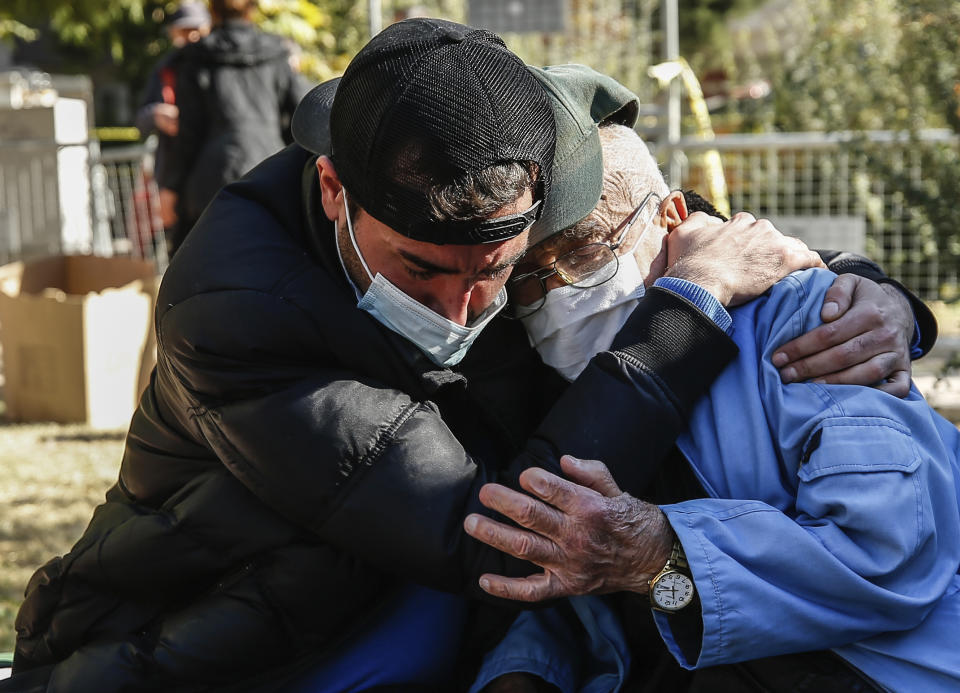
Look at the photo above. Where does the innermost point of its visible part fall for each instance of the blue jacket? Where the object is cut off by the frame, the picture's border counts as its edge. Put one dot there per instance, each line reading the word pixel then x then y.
pixel 833 519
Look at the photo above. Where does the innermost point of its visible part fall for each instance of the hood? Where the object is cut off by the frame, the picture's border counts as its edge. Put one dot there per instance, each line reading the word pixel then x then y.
pixel 237 42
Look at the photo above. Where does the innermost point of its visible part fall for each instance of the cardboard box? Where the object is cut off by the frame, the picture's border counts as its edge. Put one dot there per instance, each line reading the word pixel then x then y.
pixel 77 337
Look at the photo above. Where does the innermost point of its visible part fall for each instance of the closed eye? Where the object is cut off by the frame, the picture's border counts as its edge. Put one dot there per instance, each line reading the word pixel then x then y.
pixel 497 272
pixel 422 275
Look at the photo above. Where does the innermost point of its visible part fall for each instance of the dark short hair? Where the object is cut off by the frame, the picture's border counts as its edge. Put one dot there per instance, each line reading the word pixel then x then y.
pixel 432 118
pixel 475 196
pixel 697 203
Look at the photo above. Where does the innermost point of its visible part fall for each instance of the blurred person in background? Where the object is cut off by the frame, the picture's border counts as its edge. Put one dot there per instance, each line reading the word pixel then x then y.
pixel 158 109
pixel 236 93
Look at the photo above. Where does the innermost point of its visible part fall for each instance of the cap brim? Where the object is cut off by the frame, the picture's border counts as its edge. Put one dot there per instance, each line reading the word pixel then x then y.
pixel 311 120
pixel 575 189
pixel 581 99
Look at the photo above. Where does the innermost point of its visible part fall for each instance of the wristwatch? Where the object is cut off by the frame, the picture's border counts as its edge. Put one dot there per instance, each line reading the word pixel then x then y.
pixel 672 588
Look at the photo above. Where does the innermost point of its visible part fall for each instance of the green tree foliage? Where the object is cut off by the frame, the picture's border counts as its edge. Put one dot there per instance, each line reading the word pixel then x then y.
pixel 886 65
pixel 704 33
pixel 119 40
pixel 112 37
pixel 328 32
pixel 873 64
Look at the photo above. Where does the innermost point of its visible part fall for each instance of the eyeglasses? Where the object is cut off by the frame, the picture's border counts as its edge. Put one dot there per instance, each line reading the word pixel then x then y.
pixel 584 267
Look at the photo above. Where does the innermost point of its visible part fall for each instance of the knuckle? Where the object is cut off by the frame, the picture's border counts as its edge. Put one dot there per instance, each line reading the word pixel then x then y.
pixel 891 363
pixel 524 545
pixel 875 371
pixel 885 335
pixel 526 512
pixel 830 330
pixel 594 466
pixel 594 510
pixel 874 314
pixel 527 592
pixel 853 347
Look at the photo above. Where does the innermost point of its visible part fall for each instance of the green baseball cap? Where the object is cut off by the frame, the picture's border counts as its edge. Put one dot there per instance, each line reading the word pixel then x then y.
pixel 581 99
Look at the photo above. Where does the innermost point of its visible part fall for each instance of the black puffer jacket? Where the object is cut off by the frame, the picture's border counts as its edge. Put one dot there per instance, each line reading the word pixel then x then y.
pixel 288 444
pixel 236 93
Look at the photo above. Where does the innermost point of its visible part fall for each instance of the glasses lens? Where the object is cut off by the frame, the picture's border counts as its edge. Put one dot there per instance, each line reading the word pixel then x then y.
pixel 588 266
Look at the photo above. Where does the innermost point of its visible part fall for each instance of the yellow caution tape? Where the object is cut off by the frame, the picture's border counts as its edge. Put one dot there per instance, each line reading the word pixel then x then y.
pixel 127 134
pixel 664 73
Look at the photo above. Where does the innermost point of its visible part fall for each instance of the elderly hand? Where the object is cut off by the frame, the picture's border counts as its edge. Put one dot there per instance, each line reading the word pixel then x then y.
pixel 735 260
pixel 588 536
pixel 865 339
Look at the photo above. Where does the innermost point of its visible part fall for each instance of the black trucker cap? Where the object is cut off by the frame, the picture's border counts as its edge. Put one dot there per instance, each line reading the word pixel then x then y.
pixel 423 103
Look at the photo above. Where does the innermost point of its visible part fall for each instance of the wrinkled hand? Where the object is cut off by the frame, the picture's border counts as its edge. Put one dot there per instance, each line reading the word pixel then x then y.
pixel 166 118
pixel 865 339
pixel 735 260
pixel 588 536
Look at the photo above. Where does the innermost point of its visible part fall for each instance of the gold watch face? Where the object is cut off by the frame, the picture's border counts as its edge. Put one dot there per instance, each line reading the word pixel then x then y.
pixel 672 591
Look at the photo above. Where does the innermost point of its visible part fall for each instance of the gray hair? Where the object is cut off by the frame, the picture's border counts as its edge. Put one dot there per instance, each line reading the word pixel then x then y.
pixel 629 173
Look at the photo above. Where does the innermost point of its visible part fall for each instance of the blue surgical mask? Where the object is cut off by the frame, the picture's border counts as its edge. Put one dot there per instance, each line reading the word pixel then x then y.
pixel 442 340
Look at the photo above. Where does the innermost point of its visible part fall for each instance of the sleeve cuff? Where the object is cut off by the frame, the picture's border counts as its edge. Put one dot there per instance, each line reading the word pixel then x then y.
pixel 699 297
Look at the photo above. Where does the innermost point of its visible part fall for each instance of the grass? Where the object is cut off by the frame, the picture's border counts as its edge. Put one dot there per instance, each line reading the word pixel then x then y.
pixel 51 478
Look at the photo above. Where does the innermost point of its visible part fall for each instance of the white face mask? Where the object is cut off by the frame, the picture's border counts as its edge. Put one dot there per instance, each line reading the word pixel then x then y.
pixel 442 340
pixel 573 325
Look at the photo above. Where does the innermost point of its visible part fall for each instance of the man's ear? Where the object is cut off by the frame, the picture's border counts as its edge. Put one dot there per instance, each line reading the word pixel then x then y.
pixel 331 190
pixel 673 210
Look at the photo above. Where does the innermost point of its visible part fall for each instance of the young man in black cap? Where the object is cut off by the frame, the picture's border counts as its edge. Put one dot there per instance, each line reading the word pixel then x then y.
pixel 332 367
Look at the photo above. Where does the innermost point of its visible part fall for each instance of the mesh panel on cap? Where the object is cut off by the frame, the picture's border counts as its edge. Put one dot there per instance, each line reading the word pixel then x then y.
pixel 425 109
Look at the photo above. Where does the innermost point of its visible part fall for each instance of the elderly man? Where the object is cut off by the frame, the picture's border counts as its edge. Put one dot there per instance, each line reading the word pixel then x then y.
pixel 816 518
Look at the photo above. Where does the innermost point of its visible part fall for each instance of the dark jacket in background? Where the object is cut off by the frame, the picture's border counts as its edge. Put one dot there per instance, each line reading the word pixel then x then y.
pixel 236 93
pixel 161 88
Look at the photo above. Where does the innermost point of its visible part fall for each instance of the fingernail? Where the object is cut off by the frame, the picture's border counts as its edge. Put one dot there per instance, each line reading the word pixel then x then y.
pixel 470 523
pixel 485 584
pixel 575 461
pixel 779 359
pixel 788 375
pixel 830 309
pixel 820 382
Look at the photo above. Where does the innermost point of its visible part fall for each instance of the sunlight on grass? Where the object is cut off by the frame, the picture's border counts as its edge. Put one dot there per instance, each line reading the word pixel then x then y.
pixel 52 478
